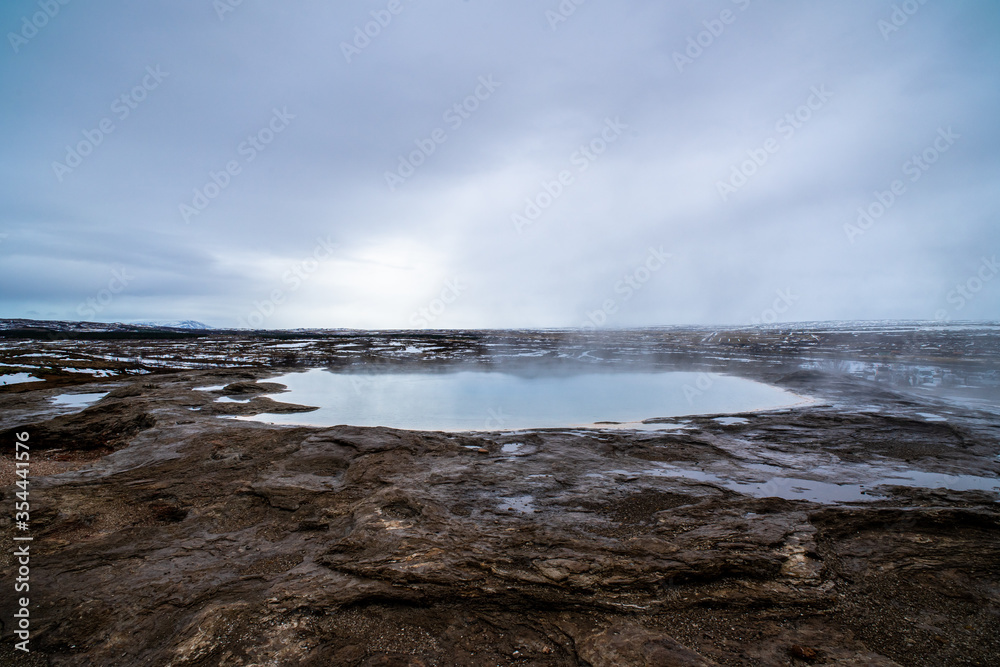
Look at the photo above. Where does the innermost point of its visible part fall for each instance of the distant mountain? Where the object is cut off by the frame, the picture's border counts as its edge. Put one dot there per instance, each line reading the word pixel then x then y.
pixel 59 330
pixel 174 324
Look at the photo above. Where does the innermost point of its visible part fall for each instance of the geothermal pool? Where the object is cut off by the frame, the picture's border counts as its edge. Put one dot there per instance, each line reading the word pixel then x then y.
pixel 496 401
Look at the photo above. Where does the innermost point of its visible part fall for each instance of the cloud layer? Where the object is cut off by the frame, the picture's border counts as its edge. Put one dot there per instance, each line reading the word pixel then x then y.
pixel 500 164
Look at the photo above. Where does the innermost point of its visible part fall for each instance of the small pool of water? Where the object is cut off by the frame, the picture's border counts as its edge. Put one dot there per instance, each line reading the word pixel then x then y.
pixel 800 488
pixel 496 401
pixel 792 488
pixel 17 378
pixel 78 400
pixel 730 421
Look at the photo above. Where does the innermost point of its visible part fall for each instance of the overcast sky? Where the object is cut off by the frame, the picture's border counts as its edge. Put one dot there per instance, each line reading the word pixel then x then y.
pixel 626 163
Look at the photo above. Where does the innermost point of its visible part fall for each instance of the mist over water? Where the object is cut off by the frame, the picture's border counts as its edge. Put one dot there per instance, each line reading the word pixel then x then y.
pixel 489 401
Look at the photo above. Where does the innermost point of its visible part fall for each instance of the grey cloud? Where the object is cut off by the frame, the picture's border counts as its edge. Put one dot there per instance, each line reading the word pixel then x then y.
pixel 324 176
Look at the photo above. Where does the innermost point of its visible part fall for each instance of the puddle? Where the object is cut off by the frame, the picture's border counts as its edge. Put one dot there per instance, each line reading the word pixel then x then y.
pixel 795 488
pixel 522 504
pixel 792 488
pixel 641 426
pixel 827 492
pixel 932 480
pixel 17 378
pixel 932 417
pixel 230 399
pixel 496 401
pixel 730 421
pixel 78 400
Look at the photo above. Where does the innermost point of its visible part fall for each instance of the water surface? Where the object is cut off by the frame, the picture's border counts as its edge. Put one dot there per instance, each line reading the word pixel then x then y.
pixel 17 378
pixel 78 400
pixel 493 401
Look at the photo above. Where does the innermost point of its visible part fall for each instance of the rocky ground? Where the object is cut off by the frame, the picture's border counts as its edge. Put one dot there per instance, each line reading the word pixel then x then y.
pixel 165 535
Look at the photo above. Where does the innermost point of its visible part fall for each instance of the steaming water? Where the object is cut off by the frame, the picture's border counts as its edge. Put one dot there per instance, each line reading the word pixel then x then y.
pixel 493 401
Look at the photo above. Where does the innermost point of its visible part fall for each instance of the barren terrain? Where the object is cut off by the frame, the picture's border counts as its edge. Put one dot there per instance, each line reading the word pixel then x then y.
pixel 833 533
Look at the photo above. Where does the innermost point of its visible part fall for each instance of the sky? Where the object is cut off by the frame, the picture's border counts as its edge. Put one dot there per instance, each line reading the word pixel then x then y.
pixel 500 163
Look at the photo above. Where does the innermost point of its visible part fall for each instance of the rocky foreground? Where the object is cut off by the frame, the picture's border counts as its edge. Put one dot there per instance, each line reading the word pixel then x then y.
pixel 165 535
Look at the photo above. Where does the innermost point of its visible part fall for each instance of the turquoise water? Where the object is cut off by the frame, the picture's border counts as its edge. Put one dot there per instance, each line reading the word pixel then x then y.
pixel 495 401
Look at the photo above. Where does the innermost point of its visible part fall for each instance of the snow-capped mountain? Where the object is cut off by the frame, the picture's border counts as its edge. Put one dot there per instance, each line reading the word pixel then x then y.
pixel 174 324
